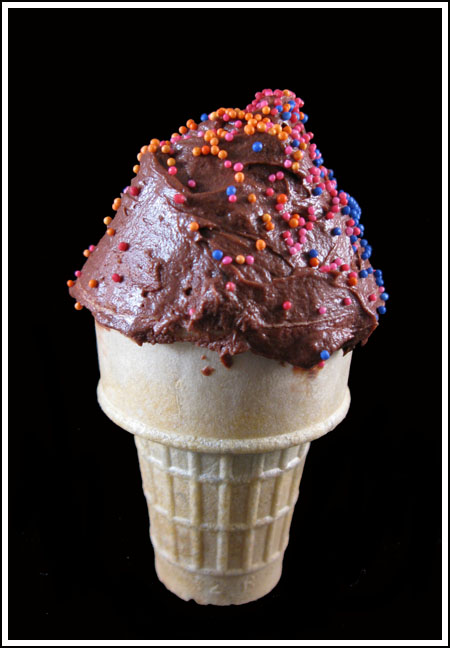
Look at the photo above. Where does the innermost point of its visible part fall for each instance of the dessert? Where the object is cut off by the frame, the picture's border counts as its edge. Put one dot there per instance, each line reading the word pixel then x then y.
pixel 228 292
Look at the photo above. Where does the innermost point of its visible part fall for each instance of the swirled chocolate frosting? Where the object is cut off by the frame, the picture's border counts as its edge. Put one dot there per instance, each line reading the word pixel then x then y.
pixel 233 235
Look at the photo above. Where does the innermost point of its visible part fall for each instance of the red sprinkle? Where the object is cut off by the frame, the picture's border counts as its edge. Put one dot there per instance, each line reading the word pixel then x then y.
pixel 123 247
pixel 347 301
pixel 287 305
pixel 372 298
pixel 179 199
pixel 230 286
pixel 116 277
pixel 134 191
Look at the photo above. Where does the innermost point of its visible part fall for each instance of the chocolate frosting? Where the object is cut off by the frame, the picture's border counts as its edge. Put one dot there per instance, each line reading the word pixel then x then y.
pixel 173 270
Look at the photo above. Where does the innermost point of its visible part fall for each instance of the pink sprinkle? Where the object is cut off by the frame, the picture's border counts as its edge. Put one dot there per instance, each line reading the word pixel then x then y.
pixel 91 248
pixel 381 289
pixel 333 266
pixel 335 209
pixel 238 166
pixel 287 164
pixel 238 123
pixel 343 200
pixel 309 178
pixel 249 259
pixel 301 221
pixel 352 274
pixel 309 226
pixel 269 191
pixel 226 117
pixel 226 260
pixel 274 111
pixel 312 218
pixel 292 250
pixel 324 268
pixel 77 273
pixel 192 311
pixel 272 177
pixel 322 310
pixel 286 216
pixel 321 364
pixel 192 183
pixel 302 231
pixel 280 175
pixel 232 198
pixel 302 239
pixel 314 170
pixel 335 201
pixel 298 246
pixel 349 231
pixel 172 170
pixel 347 301
pixel 338 261
pixel 230 286
pixel 279 206
pixel 126 190
pixel 227 164
pixel 288 150
pixel 289 240
pixel 179 199
pixel 229 137
pixel 372 298
pixel 311 210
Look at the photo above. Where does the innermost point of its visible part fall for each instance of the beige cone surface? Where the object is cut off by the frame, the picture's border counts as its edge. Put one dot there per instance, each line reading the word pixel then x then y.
pixel 221 456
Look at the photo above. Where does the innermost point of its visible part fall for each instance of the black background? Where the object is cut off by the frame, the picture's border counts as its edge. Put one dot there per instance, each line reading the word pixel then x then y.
pixel 87 88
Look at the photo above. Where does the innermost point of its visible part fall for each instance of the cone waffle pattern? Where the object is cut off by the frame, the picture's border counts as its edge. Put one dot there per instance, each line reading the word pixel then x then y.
pixel 220 514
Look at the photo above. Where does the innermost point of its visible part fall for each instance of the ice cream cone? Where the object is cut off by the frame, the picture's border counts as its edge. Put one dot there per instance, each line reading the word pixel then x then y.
pixel 221 454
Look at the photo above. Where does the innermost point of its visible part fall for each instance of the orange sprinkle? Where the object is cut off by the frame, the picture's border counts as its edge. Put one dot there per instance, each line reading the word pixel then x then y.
pixel 282 136
pixel 221 112
pixel 196 151
pixel 239 177
pixel 205 150
pixel 116 204
pixel 171 162
pixel 302 115
pixel 252 122
pixel 269 227
pixel 249 130
pixel 212 116
pixel 71 283
pixel 232 113
pixel 214 141
pixel 110 231
pixel 139 156
pixel 278 128
pixel 295 166
pixel 266 218
pixel 221 132
pixel 287 129
pixel 183 130
pixel 107 220
pixel 174 135
pixel 136 168
pixel 194 226
pixel 297 155
pixel 287 93
pixel 248 116
pixel 286 107
pixel 215 150
pixel 152 148
pixel 272 131
pixel 293 222
pixel 222 154
pixel 251 198
pixel 314 262
pixel 240 114
pixel 144 149
pixel 266 110
pixel 155 142
pixel 258 117
pixel 303 146
pixel 77 306
pixel 191 124
pixel 240 259
pixel 93 283
pixel 282 198
pixel 165 148
pixel 261 127
pixel 352 281
pixel 260 244
pixel 86 253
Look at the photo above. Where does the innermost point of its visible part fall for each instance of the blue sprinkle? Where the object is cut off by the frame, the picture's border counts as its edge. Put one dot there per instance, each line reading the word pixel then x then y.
pixel 217 255
pixel 336 231
pixel 305 118
pixel 365 256
pixel 295 143
pixel 204 117
pixel 363 243
pixel 354 248
pixel 345 210
pixel 379 281
pixel 322 174
pixel 381 310
pixel 231 190
pixel 370 270
pixel 363 274
pixel 313 253
pixel 279 108
pixel 257 147
pixel 384 296
pixel 377 273
pixel 286 115
pixel 324 355
pixel 317 191
pixel 353 238
pixel 291 102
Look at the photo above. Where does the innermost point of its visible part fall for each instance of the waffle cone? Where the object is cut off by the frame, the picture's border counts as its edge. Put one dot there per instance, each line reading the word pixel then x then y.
pixel 221 456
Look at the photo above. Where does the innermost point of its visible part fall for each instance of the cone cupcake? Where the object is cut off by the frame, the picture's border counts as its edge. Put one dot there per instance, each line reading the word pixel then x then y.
pixel 228 293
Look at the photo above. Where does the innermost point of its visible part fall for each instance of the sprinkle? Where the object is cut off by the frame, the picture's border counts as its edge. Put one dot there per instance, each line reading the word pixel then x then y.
pixel 227 164
pixel 280 175
pixel 116 204
pixel 287 305
pixel 172 170
pixel 110 231
pixel 77 306
pixel 123 247
pixel 352 281
pixel 322 310
pixel 344 267
pixel 257 147
pixel 314 262
pixel 249 259
pixel 71 283
pixel 217 255
pixel 336 231
pixel 107 220
pixel 384 296
pixel 269 227
pixel 171 162
pixel 238 166
pixel 134 191
pixel 191 312
pixel 230 286
pixel 372 298
pixel 269 192
pixel 93 283
pixel 86 253
pixel 240 259
pixel 272 177
pixel 192 183
pixel 239 177
pixel 232 198
pixel 324 354
pixel 194 226
pixel 77 273
pixel 321 364
pixel 196 151
pixel 260 244
pixel 317 191
pixel 116 277
pixel 381 310
pixel 313 253
pixel 347 301
pixel 251 198
pixel 227 260
pixel 231 190
pixel 179 199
